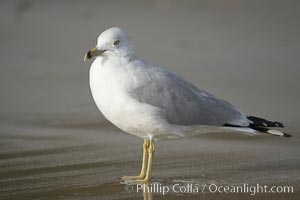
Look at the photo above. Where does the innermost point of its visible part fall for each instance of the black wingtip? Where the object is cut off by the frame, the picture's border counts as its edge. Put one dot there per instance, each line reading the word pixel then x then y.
pixel 279 124
pixel 257 121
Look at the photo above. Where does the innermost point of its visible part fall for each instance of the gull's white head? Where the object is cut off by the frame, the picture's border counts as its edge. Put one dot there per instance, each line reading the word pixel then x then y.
pixel 113 42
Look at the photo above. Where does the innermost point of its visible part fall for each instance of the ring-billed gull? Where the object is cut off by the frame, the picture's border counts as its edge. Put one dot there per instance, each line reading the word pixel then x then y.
pixel 153 103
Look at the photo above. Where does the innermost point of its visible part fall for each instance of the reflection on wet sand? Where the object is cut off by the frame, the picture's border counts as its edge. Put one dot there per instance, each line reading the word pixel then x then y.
pixel 145 188
pixel 147 191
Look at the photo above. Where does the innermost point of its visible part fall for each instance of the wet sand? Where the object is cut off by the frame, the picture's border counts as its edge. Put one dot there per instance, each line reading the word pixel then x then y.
pixel 54 144
pixel 75 163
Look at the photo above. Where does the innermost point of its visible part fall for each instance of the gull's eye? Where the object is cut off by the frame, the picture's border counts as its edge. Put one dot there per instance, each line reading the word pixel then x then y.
pixel 116 42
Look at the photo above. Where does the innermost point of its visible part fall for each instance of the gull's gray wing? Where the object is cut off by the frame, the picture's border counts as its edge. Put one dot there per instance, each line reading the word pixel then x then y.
pixel 181 102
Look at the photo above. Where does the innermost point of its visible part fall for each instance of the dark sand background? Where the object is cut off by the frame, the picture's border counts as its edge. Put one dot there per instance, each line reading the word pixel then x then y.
pixel 54 143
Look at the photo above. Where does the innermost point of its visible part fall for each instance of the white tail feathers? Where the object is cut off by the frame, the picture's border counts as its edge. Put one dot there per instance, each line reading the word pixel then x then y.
pixel 275 132
pixel 278 133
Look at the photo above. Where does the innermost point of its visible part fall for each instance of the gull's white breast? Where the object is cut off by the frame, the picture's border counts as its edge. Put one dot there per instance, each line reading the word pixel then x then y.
pixel 109 82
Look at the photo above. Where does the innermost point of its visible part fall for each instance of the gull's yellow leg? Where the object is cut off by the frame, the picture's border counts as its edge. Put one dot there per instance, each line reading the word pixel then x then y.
pixel 144 164
pixel 147 178
pixel 151 151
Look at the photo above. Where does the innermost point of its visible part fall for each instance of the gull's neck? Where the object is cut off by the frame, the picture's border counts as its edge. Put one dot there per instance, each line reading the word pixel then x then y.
pixel 117 61
pixel 121 58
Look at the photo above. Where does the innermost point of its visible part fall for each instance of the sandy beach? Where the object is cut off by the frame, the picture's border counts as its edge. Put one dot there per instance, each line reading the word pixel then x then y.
pixel 55 144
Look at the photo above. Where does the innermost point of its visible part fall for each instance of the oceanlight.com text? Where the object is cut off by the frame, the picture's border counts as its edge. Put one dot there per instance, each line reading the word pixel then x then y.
pixel 245 188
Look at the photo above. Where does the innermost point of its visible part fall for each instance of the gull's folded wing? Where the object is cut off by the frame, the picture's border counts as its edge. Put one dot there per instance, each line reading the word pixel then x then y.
pixel 181 102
